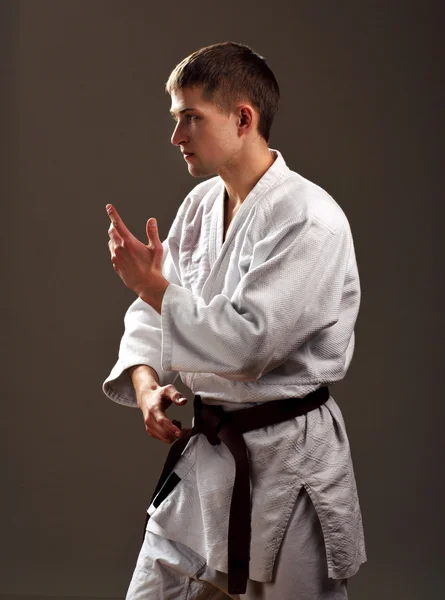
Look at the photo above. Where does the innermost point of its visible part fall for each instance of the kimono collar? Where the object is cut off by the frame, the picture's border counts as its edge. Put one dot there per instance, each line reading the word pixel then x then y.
pixel 275 172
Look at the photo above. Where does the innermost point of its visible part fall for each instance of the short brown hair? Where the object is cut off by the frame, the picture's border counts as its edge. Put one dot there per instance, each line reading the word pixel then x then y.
pixel 230 72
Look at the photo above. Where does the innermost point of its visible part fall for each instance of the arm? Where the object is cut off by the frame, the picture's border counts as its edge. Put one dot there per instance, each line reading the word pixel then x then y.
pixel 141 343
pixel 292 292
pixel 142 338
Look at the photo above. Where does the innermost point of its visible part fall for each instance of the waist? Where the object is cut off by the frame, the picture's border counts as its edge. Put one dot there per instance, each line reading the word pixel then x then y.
pixel 239 396
pixel 209 419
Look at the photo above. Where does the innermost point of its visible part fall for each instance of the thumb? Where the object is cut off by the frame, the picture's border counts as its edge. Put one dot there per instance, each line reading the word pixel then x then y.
pixel 178 398
pixel 152 232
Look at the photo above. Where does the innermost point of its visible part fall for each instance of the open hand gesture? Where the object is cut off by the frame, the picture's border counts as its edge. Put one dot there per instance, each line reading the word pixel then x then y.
pixel 137 264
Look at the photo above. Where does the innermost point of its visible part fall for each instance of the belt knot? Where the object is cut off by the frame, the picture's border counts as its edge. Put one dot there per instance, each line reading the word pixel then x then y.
pixel 208 420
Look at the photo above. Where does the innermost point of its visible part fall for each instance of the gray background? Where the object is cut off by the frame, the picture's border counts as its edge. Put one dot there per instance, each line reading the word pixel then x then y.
pixel 85 122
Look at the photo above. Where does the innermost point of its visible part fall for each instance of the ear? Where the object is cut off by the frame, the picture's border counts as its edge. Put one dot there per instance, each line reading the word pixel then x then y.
pixel 246 118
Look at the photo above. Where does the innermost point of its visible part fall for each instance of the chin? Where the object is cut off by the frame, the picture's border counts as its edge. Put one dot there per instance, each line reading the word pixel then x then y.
pixel 194 172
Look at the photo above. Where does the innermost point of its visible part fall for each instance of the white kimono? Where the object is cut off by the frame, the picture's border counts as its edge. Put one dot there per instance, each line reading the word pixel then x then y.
pixel 267 314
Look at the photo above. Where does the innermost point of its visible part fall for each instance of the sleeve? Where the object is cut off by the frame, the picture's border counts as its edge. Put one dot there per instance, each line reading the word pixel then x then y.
pixel 141 342
pixel 292 291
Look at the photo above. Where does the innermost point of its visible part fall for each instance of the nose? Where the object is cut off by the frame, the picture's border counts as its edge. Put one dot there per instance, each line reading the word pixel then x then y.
pixel 178 136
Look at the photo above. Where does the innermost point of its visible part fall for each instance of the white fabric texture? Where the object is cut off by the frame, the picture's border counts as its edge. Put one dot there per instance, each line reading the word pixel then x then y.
pixel 267 314
pixel 166 570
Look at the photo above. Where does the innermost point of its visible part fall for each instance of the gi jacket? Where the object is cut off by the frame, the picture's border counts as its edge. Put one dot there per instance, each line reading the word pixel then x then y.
pixel 269 313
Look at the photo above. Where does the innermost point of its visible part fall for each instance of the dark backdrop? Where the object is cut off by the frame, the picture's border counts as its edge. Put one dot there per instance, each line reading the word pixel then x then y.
pixel 85 122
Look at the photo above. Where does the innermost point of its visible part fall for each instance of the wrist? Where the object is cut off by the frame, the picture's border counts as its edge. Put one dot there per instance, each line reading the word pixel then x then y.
pixel 144 379
pixel 154 293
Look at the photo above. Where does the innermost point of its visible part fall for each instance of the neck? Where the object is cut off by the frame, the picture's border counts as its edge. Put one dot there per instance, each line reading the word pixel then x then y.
pixel 244 172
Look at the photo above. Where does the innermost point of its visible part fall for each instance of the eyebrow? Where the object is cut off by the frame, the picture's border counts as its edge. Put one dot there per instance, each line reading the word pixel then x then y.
pixel 183 110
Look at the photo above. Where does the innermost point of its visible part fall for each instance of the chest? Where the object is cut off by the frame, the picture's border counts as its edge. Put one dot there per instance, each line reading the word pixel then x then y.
pixel 215 248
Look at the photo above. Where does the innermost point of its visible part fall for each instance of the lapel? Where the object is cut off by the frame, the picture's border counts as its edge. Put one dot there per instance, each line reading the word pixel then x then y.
pixel 219 250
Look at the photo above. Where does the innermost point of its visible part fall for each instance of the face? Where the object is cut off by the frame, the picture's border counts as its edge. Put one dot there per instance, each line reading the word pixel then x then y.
pixel 208 139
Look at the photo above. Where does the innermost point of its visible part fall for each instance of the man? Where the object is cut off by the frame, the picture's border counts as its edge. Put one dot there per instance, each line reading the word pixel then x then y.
pixel 252 299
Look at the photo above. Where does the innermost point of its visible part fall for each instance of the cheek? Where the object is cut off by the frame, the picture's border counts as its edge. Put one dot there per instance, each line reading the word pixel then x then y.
pixel 220 142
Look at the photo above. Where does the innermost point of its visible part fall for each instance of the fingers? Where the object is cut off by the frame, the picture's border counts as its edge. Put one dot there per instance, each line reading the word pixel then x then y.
pixel 115 238
pixel 161 428
pixel 117 223
pixel 116 241
pixel 184 430
pixel 157 424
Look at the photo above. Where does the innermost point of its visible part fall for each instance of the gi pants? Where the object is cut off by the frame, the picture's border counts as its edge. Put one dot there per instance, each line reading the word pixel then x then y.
pixel 168 570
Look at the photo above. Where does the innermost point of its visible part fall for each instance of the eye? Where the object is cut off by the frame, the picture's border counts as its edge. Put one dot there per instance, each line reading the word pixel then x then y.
pixel 188 118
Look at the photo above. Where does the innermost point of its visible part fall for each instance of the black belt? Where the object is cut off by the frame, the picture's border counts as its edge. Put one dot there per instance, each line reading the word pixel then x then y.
pixel 228 427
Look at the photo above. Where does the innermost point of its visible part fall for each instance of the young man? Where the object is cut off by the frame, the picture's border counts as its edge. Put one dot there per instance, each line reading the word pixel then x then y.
pixel 252 299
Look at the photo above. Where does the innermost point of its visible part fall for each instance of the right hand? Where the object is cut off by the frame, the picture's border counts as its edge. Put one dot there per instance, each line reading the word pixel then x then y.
pixel 153 404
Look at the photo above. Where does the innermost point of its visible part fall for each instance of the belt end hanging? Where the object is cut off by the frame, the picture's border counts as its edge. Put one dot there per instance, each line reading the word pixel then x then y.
pixel 237 576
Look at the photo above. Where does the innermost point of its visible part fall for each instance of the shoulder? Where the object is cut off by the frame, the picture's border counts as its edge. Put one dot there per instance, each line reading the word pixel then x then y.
pixel 296 199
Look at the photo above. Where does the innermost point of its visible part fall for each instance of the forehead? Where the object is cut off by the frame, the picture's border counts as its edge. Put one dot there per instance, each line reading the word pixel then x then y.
pixel 189 98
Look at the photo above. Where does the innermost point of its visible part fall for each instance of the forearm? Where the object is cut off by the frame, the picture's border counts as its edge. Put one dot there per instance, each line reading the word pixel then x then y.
pixel 143 378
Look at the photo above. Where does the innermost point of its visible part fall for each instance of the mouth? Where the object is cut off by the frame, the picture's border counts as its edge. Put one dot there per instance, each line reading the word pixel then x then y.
pixel 188 155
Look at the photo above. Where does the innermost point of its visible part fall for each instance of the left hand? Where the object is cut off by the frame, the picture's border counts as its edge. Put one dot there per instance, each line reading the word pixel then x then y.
pixel 137 264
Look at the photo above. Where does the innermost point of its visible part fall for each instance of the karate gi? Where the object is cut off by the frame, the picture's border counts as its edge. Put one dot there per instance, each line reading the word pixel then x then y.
pixel 268 313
